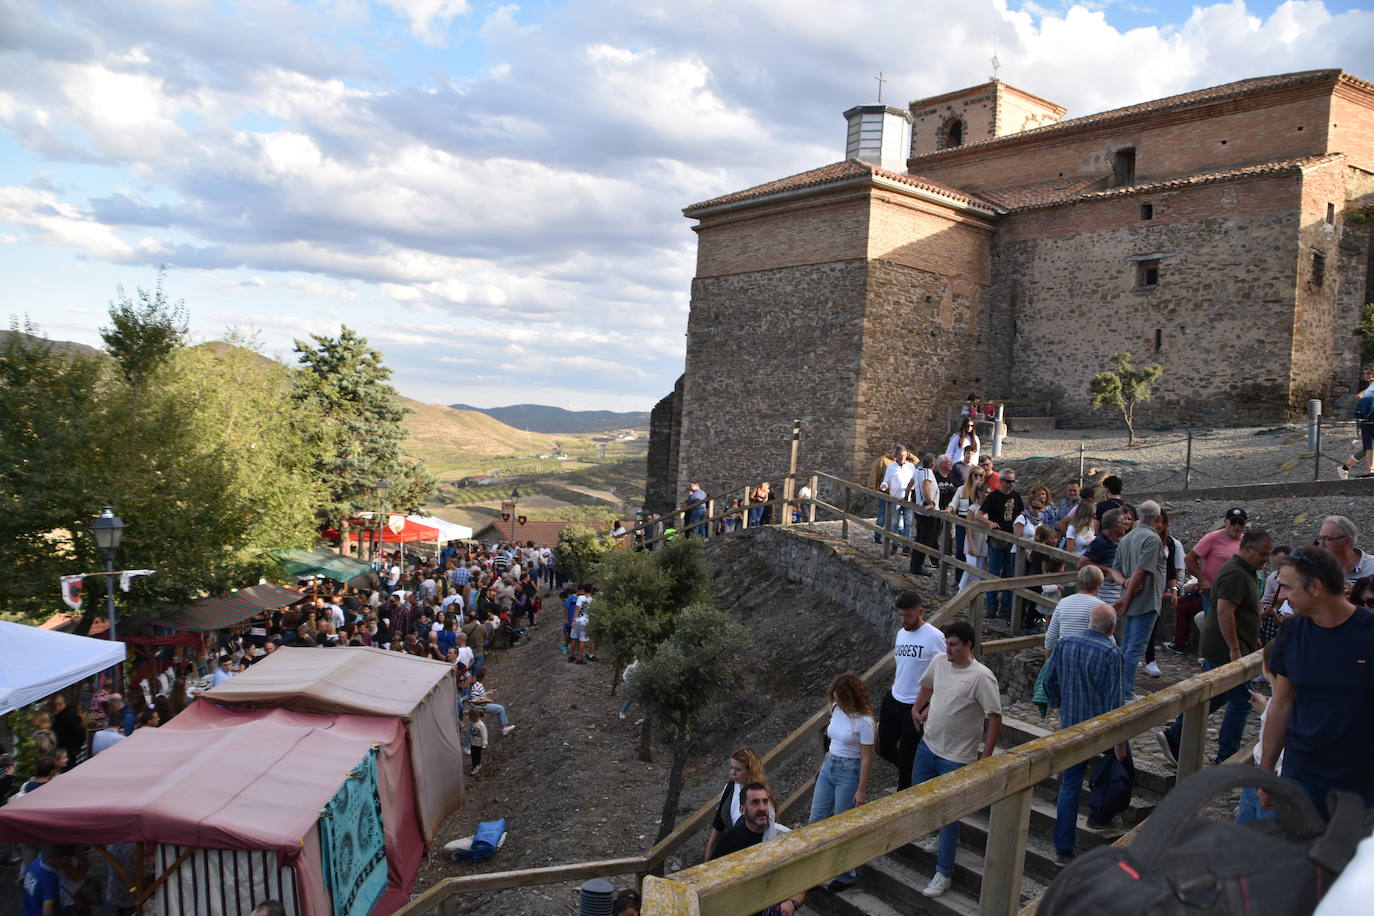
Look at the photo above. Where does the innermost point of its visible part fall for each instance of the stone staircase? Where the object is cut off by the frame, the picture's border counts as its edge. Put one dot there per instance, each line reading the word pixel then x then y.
pixel 892 884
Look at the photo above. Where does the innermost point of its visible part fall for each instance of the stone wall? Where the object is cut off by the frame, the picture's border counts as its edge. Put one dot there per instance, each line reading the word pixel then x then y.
pixel 1066 290
pixel 763 349
pixel 665 423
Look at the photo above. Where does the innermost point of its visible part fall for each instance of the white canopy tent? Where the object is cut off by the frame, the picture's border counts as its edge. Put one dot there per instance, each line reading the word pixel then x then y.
pixel 37 663
pixel 448 531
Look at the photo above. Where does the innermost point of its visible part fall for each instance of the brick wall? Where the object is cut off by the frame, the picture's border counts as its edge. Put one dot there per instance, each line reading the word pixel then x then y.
pixel 764 348
pixel 1352 126
pixel 826 227
pixel 665 425
pixel 1223 305
pixel 1169 144
pixel 975 106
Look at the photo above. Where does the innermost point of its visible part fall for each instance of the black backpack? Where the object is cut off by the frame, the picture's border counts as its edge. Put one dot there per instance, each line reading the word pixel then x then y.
pixel 1181 863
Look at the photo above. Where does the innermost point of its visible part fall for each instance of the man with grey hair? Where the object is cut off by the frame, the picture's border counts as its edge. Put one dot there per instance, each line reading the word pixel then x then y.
pixel 1339 535
pixel 1085 677
pixel 1140 558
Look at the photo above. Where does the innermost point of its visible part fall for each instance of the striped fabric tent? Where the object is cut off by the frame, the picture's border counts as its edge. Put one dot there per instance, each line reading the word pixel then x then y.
pixel 230 610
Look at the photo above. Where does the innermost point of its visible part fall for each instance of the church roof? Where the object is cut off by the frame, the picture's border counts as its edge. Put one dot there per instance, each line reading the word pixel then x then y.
pixel 840 173
pixel 1208 96
pixel 1078 190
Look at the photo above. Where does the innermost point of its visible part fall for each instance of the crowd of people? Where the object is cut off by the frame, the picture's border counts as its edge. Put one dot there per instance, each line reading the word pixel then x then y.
pixel 456 607
pixel 1310 608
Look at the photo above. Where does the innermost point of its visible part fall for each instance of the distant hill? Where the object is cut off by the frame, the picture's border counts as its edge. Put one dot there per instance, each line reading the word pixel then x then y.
pixel 541 418
pixel 456 442
pixel 57 344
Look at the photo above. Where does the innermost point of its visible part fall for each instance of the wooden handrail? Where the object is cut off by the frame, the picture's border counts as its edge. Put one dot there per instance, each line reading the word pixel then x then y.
pixel 755 878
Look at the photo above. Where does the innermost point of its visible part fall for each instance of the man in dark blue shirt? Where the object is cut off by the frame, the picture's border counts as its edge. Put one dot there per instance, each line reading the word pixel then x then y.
pixel 1322 714
pixel 1083 678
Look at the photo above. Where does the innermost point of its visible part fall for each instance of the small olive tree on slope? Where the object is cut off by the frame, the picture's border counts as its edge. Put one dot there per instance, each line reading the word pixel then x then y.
pixel 694 668
pixel 1123 388
pixel 577 551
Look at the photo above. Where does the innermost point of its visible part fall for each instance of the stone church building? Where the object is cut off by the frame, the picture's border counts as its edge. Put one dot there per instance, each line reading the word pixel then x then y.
pixel 977 242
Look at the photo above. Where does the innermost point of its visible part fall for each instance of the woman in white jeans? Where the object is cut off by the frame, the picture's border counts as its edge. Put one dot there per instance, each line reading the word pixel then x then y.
pixel 975 541
pixel 842 782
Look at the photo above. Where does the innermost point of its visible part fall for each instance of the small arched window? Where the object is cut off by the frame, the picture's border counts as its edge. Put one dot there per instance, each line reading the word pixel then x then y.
pixel 954 132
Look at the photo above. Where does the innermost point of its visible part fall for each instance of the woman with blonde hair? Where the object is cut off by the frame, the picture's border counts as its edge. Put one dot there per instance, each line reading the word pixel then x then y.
pixel 1082 528
pixel 842 782
pixel 975 540
pixel 746 766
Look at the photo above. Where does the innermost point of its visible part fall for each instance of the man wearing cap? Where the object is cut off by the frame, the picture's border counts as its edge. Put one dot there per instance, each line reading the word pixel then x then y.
pixel 1231 633
pixel 1212 551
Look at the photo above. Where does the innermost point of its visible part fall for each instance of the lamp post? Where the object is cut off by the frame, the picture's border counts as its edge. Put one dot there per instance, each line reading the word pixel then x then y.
pixel 108 530
pixel 380 489
pixel 514 498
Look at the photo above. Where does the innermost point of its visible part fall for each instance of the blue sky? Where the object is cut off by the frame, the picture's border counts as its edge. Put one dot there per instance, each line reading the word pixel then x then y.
pixel 491 192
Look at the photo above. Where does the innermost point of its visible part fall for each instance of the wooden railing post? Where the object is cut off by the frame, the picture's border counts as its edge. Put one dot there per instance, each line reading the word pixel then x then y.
pixel 787 484
pixel 744 509
pixel 946 546
pixel 1193 742
pixel 1008 825
pixel 889 525
pixel 1019 570
pixel 813 485
pixel 710 516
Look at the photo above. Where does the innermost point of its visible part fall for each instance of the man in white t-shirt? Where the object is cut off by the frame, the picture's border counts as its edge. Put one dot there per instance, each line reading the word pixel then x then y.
pixel 957 693
pixel 898 482
pixel 465 655
pixel 917 643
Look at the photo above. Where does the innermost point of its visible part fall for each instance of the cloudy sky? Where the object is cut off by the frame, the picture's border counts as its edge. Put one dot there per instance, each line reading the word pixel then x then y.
pixel 491 192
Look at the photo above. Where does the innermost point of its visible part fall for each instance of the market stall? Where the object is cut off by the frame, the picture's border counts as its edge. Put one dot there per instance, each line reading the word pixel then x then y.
pixel 369 682
pixel 228 807
pixel 37 663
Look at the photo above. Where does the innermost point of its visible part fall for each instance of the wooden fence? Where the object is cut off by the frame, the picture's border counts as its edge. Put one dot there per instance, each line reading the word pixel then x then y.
pixel 753 879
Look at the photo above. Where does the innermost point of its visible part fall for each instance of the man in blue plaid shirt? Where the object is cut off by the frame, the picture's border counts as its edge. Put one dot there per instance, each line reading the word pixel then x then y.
pixel 1083 678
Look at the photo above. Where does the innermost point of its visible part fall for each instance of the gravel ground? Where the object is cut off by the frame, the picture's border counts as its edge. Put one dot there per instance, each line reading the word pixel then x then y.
pixel 1220 457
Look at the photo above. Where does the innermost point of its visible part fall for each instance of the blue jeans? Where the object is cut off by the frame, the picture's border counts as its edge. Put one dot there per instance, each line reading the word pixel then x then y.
pixel 1066 812
pixel 1237 701
pixel 836 784
pixel 694 518
pixel 479 661
pixel 497 710
pixel 1249 808
pixel 1135 636
pixel 882 520
pixel 902 525
pixel 928 766
pixel 1001 562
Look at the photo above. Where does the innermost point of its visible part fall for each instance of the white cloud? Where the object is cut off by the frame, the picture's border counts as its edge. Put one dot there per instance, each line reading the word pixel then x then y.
pixel 429 19
pixel 540 187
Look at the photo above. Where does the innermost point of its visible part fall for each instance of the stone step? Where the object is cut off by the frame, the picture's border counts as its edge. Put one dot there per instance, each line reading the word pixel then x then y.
pixel 1027 424
pixel 1156 780
pixel 860 902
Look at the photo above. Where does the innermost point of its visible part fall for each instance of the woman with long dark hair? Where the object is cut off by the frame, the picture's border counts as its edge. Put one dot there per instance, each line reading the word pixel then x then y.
pixel 963 438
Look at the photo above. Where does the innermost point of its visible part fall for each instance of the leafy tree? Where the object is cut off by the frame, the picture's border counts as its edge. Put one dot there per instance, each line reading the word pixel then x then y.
pixel 577 551
pixel 357 437
pixel 142 335
pixel 1123 388
pixel 202 460
pixel 696 666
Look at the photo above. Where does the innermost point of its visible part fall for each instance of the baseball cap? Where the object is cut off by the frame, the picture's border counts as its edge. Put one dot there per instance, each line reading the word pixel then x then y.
pixel 1236 514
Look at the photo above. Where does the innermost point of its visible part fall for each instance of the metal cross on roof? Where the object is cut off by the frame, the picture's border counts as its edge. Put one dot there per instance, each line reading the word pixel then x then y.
pixel 881 79
pixel 996 64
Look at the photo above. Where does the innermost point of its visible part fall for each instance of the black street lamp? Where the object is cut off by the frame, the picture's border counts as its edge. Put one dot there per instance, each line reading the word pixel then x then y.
pixel 108 530
pixel 380 489
pixel 514 498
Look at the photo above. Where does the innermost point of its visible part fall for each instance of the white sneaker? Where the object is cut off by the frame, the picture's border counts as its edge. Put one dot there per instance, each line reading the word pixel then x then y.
pixel 930 843
pixel 1152 669
pixel 508 729
pixel 1342 472
pixel 937 886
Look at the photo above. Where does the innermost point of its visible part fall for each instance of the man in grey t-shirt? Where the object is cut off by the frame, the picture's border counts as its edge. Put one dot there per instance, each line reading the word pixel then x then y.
pixel 1141 558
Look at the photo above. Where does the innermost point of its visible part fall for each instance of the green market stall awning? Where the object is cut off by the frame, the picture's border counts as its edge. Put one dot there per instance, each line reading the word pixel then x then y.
pixel 305 564
pixel 230 610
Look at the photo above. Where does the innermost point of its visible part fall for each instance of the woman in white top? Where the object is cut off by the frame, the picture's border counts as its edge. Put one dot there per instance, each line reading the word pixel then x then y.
pixel 975 540
pixel 842 782
pixel 963 437
pixel 746 766
pixel 1081 530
